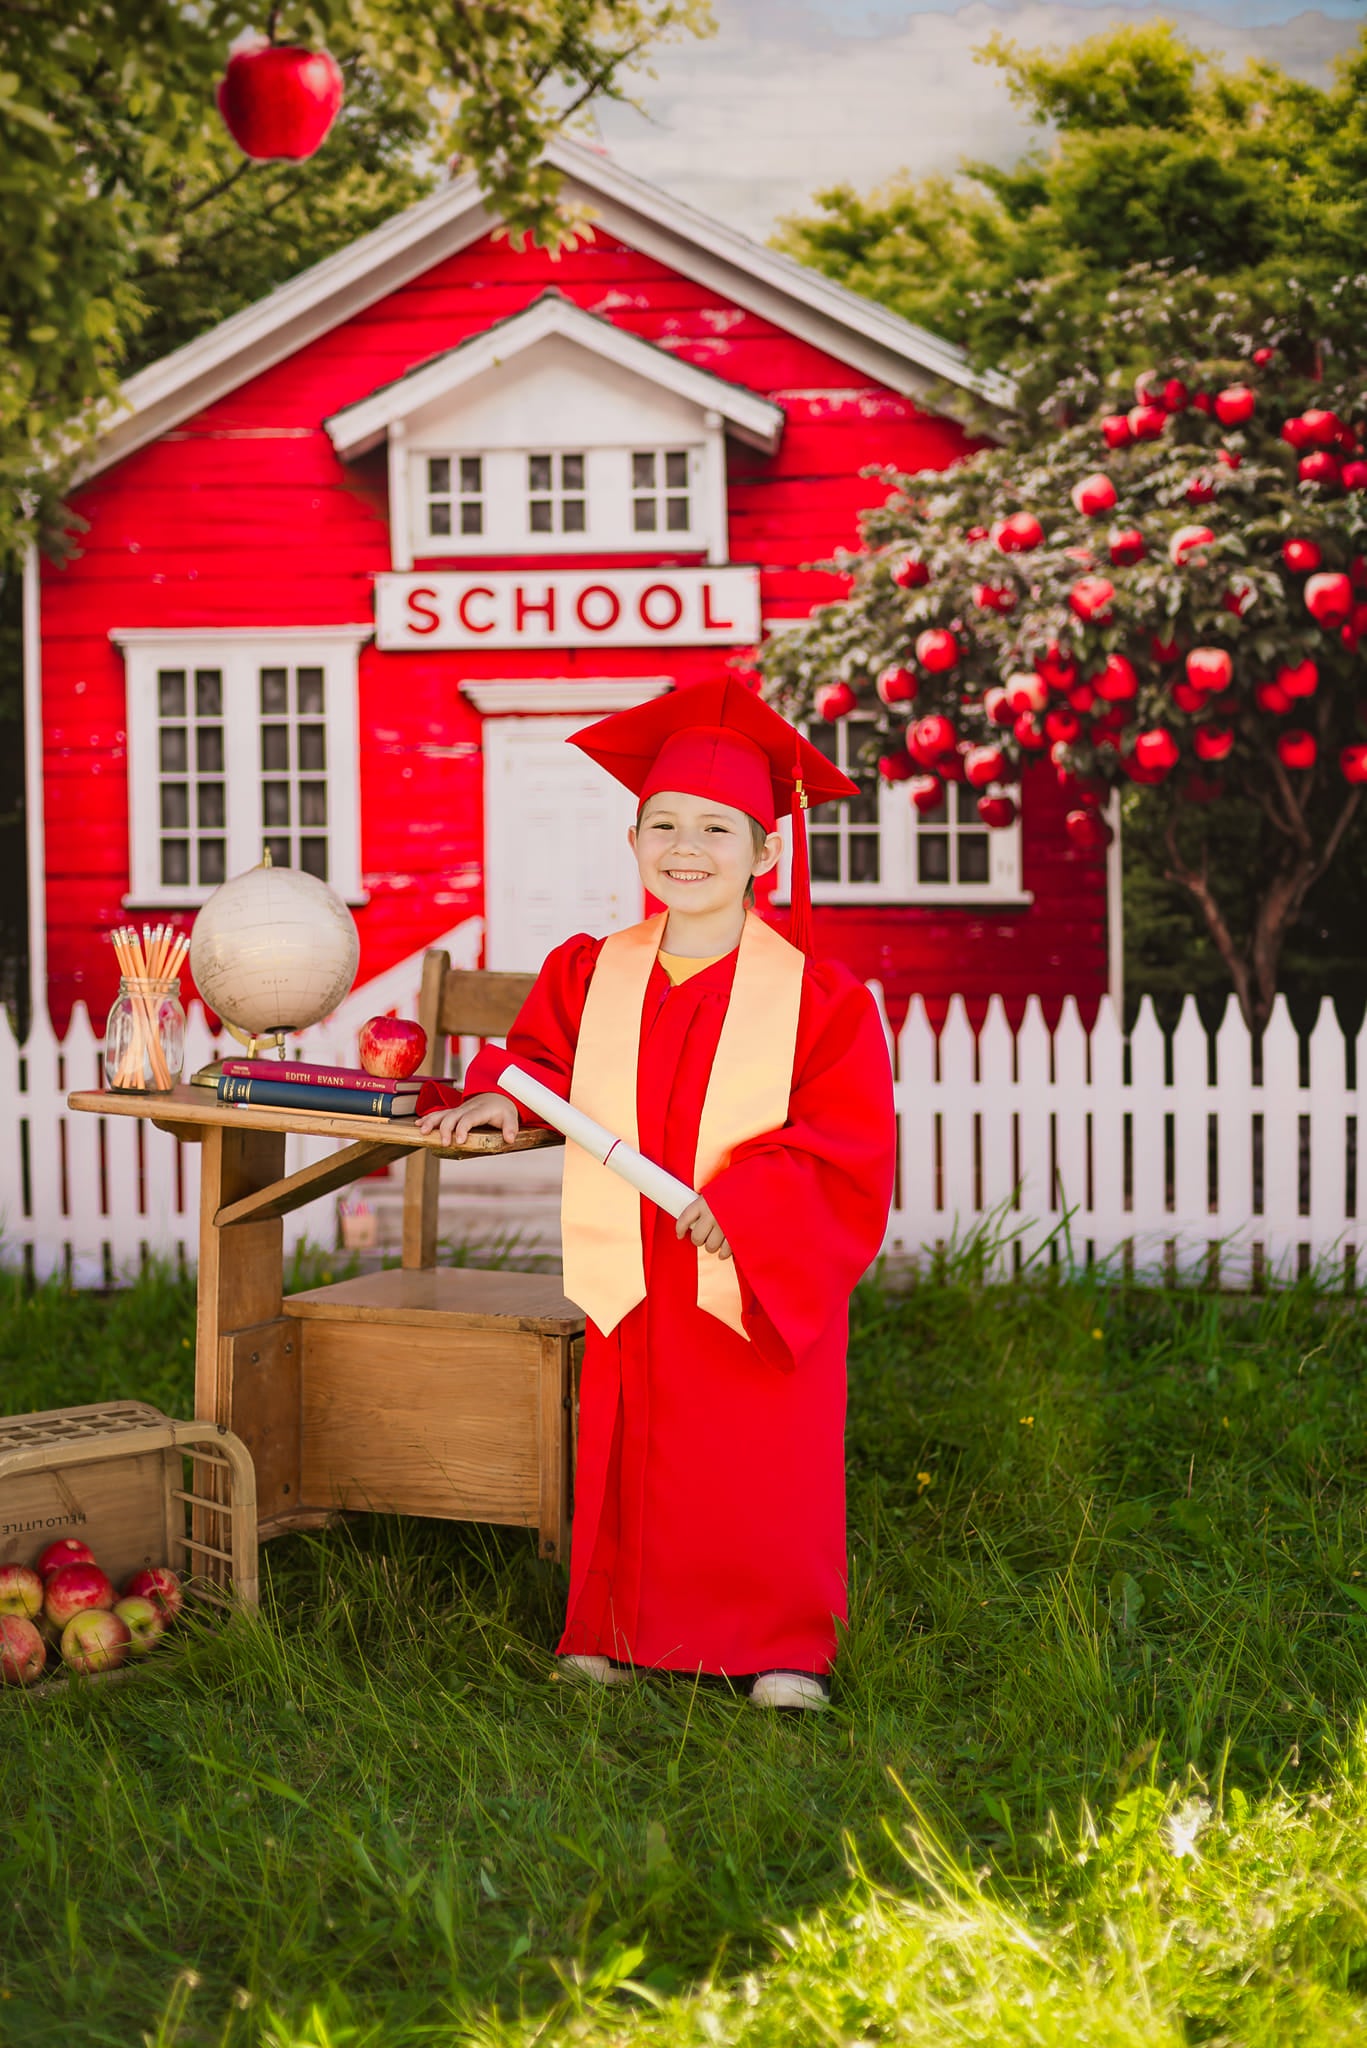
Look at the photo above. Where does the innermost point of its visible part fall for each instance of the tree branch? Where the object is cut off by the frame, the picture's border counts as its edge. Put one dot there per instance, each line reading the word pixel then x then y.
pixel 1198 888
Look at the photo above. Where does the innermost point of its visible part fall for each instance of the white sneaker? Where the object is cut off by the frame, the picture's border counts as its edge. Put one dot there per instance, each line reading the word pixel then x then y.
pixel 595 1670
pixel 788 1689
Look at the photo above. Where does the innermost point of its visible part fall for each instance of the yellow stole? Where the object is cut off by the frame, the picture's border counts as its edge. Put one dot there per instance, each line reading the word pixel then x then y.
pixel 747 1094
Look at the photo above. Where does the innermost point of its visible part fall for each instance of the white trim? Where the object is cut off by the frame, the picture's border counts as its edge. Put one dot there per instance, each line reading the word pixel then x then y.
pixel 400 508
pixel 1115 911
pixel 166 636
pixel 563 694
pixel 35 829
pixel 715 510
pixel 854 330
pixel 359 427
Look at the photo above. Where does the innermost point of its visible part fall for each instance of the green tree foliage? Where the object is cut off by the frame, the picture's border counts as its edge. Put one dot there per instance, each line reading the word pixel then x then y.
pixel 1120 605
pixel 1251 179
pixel 132 221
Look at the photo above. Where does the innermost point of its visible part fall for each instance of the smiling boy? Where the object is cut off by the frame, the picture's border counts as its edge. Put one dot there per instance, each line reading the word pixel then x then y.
pixel 709 1527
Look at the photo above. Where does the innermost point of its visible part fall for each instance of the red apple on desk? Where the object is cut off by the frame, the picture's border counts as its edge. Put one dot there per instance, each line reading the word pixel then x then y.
pixel 392 1047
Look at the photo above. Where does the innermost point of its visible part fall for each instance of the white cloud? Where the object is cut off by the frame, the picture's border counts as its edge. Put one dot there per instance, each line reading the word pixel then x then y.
pixel 793 95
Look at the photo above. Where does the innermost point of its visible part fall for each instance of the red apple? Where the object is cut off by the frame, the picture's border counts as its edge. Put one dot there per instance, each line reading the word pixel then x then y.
pixel 1319 467
pixel 1299 679
pixel 835 700
pixel 73 1589
pixel 145 1622
pixel 1210 668
pixel 898 767
pixel 975 533
pixel 1088 830
pixel 1262 357
pixel 1126 547
pixel 1297 748
pixel 994 597
pixel 1186 698
pixel 1301 556
pixel 1164 652
pixel 21 1591
pixel 1213 742
pixel 278 100
pixel 23 1653
pixel 996 811
pixel 1018 534
pixel 1354 476
pixel 1235 405
pixel 95 1640
pixel 1199 490
pixel 1093 495
pixel 1146 422
pixel 1115 429
pixel 1240 596
pixel 1227 458
pixel 66 1550
pixel 1353 764
pixel 1062 725
pixel 159 1585
pixel 927 792
pixel 1029 734
pixel 1186 540
pixel 1156 750
pixel 1295 432
pixel 1270 697
pixel 896 685
pixel 1025 691
pixel 1118 682
pixel 1174 395
pixel 1321 429
pixel 1329 599
pixel 983 765
pixel 1201 400
pixel 929 738
pixel 937 650
pixel 910 573
pixel 1055 669
pixel 1082 698
pixel 393 1047
pixel 1091 598
pixel 996 706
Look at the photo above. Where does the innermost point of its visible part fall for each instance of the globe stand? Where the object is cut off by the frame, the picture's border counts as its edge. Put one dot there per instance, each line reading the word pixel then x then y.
pixel 209 1076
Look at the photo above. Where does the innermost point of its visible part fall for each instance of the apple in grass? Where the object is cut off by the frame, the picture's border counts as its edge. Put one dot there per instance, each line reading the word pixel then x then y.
pixel 392 1048
pixel 95 1640
pixel 159 1585
pixel 279 101
pixel 23 1653
pixel 145 1621
pixel 21 1592
pixel 73 1590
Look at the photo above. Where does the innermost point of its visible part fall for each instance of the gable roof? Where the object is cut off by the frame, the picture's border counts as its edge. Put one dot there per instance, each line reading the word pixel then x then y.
pixel 359 426
pixel 898 354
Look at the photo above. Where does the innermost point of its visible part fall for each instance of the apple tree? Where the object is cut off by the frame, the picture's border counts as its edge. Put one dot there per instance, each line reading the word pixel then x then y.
pixel 1168 594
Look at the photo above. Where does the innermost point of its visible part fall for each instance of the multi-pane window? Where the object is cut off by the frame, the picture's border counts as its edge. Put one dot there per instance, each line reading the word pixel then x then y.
pixel 455 495
pixel 556 502
pixel 952 843
pixel 844 840
pixel 659 491
pixel 191 794
pixel 294 791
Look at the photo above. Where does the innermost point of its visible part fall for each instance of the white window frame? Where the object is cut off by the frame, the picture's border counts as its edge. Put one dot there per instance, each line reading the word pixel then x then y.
pixel 240 655
pixel 899 824
pixel 609 519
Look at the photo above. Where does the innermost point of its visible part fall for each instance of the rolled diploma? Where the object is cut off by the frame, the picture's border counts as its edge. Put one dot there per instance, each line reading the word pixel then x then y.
pixel 669 1194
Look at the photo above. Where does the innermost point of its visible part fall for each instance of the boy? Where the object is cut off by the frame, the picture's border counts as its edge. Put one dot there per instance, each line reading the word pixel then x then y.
pixel 709 1526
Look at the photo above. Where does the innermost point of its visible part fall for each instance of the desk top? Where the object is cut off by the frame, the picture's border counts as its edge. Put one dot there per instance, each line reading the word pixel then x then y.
pixel 185 1110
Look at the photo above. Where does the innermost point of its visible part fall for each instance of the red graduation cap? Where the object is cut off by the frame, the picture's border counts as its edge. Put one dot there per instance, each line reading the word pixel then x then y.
pixel 721 740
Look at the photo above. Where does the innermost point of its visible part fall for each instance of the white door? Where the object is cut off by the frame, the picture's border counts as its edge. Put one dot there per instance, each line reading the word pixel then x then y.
pixel 555 842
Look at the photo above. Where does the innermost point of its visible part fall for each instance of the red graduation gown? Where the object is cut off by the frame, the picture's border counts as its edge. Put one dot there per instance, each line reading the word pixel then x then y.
pixel 709 1520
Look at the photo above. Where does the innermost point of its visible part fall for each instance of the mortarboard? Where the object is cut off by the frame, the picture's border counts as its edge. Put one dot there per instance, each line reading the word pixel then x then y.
pixel 721 740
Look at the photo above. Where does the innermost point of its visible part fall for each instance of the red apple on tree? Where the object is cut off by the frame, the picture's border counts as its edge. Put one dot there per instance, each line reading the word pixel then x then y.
pixel 1297 748
pixel 1156 750
pixel 23 1653
pixel 1353 763
pixel 896 685
pixel 1029 733
pixel 983 765
pixel 1187 698
pixel 1062 725
pixel 927 792
pixel 1210 668
pixel 929 738
pixel 835 700
pixel 1271 697
pixel 1093 495
pixel 1174 395
pixel 1298 679
pixel 1118 682
pixel 994 597
pixel 1354 477
pixel 937 650
pixel 996 811
pixel 1213 742
pixel 1185 542
pixel 1301 556
pixel 1329 599
pixel 1115 429
pixel 910 572
pixel 1320 428
pixel 1199 490
pixel 997 707
pixel 1126 548
pixel 1088 830
pixel 1018 534
pixel 391 1047
pixel 1026 690
pixel 1319 467
pixel 1146 422
pixel 21 1591
pixel 279 101
pixel 1235 405
pixel 66 1550
pixel 1056 669
pixel 1091 598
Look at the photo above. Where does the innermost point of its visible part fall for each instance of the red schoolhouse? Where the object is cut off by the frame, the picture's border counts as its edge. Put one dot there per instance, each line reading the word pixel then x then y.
pixel 359 558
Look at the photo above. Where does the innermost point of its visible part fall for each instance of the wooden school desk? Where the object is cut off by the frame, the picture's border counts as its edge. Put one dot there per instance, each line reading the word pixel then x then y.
pixel 424 1390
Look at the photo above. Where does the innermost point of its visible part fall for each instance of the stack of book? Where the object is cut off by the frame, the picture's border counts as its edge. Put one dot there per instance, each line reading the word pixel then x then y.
pixel 336 1091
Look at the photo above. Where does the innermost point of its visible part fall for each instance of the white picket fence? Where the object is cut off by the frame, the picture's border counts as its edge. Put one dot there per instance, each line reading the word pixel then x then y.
pixel 1161 1156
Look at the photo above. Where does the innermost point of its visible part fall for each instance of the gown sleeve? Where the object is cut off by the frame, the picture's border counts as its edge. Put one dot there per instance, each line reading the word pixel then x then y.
pixel 543 1036
pixel 805 1208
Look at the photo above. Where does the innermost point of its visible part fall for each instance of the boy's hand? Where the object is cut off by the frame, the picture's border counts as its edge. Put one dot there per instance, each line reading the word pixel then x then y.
pixel 477 1112
pixel 698 1222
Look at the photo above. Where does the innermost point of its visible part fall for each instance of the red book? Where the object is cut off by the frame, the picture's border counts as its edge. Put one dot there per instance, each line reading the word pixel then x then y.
pixel 323 1077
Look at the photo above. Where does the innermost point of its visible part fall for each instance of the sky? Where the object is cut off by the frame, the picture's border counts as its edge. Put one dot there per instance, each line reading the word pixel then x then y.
pixel 792 95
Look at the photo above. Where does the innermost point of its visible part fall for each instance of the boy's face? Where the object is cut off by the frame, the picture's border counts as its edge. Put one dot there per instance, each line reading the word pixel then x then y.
pixel 697 856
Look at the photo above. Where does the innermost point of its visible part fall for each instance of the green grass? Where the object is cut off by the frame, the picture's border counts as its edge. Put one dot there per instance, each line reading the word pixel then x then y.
pixel 1094 1771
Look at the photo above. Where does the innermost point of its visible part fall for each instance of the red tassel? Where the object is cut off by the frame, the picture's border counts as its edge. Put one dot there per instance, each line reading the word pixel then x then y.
pixel 800 932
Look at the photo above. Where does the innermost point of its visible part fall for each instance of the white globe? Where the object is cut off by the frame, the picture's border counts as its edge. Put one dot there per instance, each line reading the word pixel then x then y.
pixel 274 950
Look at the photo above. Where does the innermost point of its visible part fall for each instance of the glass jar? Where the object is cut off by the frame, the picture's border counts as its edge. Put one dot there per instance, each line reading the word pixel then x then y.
pixel 144 1040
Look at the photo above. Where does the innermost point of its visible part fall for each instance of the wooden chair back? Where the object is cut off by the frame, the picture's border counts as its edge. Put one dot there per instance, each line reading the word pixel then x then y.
pixel 455 1002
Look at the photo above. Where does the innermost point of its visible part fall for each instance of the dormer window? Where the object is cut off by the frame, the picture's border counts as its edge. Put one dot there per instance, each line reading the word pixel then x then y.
pixel 555 494
pixel 659 491
pixel 455 495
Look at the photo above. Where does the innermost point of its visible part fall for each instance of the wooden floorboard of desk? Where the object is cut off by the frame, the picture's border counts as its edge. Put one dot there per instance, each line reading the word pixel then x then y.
pixel 193 1108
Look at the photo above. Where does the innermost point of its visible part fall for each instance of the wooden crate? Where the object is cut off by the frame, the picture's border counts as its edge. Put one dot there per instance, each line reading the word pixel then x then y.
pixel 139 1487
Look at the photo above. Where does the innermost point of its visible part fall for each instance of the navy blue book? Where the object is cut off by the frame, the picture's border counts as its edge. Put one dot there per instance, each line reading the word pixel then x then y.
pixel 307 1095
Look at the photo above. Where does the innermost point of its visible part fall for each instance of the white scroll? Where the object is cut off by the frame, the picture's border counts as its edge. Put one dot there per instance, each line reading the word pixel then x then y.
pixel 669 1194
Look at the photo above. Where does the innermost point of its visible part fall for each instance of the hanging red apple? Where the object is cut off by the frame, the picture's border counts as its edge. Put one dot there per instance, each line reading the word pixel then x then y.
pixel 994 597
pixel 1082 698
pixel 1199 490
pixel 835 700
pixel 279 101
pixel 1029 734
pixel 1210 668
pixel 896 685
pixel 1091 598
pixel 1295 433
pixel 1227 458
pixel 937 650
pixel 1329 599
pixel 927 792
pixel 1062 725
pixel 1156 750
pixel 1262 357
pixel 1187 698
pixel 1270 697
pixel 1025 692
pixel 1297 748
pixel 1297 679
pixel 898 767
pixel 1301 556
pixel 1174 395
pixel 983 765
pixel 975 533
pixel 1354 476
pixel 996 812
pixel 1093 495
pixel 1088 830
pixel 1146 422
pixel 996 706
pixel 1126 548
pixel 1235 405
pixel 1213 742
pixel 931 737
pixel 1319 467
pixel 1321 428
pixel 1164 652
pixel 910 572
pixel 1240 596
pixel 1353 764
pixel 1115 430
pixel 1185 542
pixel 1118 682
pixel 1202 401
pixel 1056 669
pixel 1018 534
